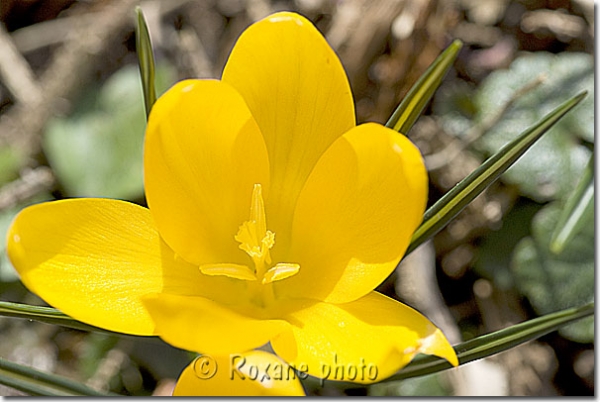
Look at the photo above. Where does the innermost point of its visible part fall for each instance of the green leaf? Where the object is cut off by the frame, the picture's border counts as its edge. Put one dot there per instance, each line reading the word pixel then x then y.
pixel 576 212
pixel 49 315
pixel 38 383
pixel 566 74
pixel 455 200
pixel 98 150
pixel 146 59
pixel 552 282
pixel 46 315
pixel 551 170
pixel 417 97
pixel 430 386
pixel 494 253
pixel 496 342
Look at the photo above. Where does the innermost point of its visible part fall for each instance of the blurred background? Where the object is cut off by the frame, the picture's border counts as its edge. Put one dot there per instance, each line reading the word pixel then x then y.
pixel 72 124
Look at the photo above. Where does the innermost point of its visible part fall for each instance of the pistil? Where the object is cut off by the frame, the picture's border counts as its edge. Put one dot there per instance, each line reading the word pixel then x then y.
pixel 256 241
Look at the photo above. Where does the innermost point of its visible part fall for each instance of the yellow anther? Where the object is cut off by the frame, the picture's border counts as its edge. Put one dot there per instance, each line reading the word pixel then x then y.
pixel 231 270
pixel 280 271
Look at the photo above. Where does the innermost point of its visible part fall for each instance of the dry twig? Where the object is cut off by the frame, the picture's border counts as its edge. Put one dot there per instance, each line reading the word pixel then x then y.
pixel 71 66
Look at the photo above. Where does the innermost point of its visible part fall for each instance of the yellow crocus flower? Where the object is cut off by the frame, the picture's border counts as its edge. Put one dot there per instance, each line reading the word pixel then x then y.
pixel 271 218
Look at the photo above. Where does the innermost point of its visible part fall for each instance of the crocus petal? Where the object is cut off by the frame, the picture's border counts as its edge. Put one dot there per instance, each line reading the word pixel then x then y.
pixel 94 259
pixel 254 373
pixel 203 156
pixel 202 325
pixel 363 341
pixel 356 215
pixel 298 92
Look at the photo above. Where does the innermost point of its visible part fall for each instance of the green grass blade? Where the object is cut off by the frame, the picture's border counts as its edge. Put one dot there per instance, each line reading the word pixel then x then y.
pixel 146 59
pixel 496 342
pixel 38 383
pixel 416 99
pixel 576 212
pixel 46 315
pixel 463 193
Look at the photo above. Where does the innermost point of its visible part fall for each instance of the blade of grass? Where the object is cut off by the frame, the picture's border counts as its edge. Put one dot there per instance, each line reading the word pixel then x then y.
pixel 145 55
pixel 46 315
pixel 455 200
pixel 38 383
pixel 496 342
pixel 577 210
pixel 409 110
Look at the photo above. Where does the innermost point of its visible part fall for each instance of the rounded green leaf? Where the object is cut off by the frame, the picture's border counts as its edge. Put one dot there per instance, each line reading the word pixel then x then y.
pixel 97 152
pixel 552 282
pixel 551 168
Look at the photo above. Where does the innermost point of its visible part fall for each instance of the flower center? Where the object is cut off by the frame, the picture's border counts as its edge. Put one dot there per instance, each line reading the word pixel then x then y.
pixel 256 241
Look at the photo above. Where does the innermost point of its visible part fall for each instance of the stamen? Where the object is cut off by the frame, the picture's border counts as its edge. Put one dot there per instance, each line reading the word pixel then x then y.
pixel 235 271
pixel 280 271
